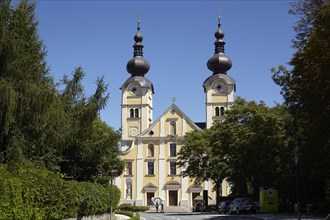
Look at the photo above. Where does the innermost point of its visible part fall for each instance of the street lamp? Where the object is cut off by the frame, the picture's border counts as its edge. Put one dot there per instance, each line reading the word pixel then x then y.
pixel 296 163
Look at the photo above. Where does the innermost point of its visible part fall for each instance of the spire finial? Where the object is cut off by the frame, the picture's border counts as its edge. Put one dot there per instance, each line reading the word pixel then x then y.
pixel 219 12
pixel 138 66
pixel 219 62
pixel 139 19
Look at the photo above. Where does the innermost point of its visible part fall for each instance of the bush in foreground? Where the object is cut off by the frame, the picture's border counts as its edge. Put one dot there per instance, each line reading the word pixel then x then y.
pixel 132 208
pixel 30 193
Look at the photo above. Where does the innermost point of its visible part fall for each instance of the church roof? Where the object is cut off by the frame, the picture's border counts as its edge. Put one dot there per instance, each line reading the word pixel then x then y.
pixel 201 125
pixel 228 79
pixel 170 108
pixel 143 81
pixel 219 62
pixel 138 66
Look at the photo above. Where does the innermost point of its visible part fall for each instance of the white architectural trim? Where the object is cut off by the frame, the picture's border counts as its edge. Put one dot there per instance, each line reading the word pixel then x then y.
pixel 144 119
pixel 161 127
pixel 184 188
pixel 139 178
pixel 124 123
pixel 161 177
pixel 206 185
pixel 161 166
pixel 140 149
pixel 184 126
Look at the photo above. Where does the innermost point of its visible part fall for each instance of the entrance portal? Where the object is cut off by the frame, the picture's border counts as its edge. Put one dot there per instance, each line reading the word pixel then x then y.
pixel 149 196
pixel 173 198
pixel 194 202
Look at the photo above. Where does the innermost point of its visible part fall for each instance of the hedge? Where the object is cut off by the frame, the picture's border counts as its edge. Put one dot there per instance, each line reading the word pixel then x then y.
pixel 129 207
pixel 37 194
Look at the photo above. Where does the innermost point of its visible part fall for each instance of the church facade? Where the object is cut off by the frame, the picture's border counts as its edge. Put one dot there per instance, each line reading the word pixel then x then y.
pixel 150 148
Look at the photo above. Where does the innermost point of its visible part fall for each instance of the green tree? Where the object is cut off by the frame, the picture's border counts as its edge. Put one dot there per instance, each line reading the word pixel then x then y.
pixel 201 161
pixel 250 143
pixel 91 151
pixel 306 90
pixel 253 137
pixel 27 93
pixel 40 124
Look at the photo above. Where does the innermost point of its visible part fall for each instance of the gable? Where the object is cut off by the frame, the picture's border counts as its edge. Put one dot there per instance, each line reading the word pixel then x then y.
pixel 172 122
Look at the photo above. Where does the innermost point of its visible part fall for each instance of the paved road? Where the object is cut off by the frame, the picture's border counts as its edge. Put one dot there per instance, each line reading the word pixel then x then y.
pixel 200 216
pixel 192 216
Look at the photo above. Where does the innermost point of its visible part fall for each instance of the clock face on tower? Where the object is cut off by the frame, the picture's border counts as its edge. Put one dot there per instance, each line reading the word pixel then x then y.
pixel 134 89
pixel 219 87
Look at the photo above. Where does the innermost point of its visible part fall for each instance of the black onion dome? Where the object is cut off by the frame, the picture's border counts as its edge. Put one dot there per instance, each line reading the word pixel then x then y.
pixel 219 62
pixel 138 36
pixel 138 66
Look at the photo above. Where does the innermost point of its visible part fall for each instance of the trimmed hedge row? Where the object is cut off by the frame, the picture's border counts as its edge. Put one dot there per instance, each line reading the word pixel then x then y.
pixel 129 207
pixel 30 193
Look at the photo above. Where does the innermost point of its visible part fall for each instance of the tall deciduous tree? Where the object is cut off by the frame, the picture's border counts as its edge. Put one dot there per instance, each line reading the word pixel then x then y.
pixel 250 143
pixel 253 137
pixel 306 90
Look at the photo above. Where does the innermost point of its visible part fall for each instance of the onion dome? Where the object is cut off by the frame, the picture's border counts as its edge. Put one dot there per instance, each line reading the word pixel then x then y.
pixel 138 66
pixel 219 62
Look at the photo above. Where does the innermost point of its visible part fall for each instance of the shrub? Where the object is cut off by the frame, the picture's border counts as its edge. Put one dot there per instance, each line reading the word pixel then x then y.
pixel 129 207
pixel 30 193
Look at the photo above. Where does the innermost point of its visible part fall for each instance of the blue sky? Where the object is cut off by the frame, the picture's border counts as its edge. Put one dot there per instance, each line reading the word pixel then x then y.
pixel 178 40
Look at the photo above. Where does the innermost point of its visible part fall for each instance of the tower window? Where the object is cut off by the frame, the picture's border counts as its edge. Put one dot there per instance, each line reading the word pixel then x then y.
pixel 151 150
pixel 222 111
pixel 136 113
pixel 131 113
pixel 217 111
pixel 173 128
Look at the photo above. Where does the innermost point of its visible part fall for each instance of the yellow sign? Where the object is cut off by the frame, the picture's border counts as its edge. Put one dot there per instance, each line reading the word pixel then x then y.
pixel 268 199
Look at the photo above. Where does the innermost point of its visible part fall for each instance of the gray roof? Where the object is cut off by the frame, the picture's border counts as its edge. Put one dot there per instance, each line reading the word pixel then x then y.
pixel 143 81
pixel 229 80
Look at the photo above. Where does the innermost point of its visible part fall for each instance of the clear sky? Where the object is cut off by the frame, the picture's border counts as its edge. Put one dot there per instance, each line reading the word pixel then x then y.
pixel 178 40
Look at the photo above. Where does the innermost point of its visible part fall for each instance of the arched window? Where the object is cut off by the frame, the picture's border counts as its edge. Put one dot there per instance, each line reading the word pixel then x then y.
pixel 222 111
pixel 131 113
pixel 217 111
pixel 173 128
pixel 151 150
pixel 136 113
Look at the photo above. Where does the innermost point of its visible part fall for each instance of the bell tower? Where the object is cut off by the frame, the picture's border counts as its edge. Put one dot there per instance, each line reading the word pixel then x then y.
pixel 136 103
pixel 220 87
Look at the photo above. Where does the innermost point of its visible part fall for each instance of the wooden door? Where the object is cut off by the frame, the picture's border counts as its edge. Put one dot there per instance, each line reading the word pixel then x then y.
pixel 149 196
pixel 173 198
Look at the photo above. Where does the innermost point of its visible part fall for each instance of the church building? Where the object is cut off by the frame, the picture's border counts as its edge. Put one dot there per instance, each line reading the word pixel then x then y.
pixel 150 148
